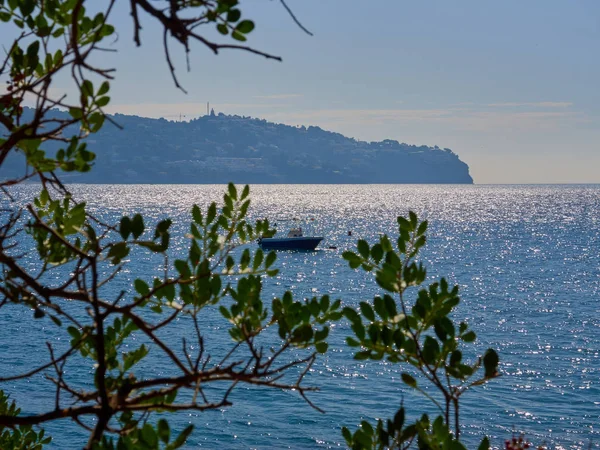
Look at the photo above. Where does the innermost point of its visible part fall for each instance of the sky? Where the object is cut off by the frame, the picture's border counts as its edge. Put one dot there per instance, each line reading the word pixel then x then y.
pixel 511 86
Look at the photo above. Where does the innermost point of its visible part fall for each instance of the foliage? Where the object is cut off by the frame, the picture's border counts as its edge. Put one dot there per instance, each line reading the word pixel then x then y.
pixel 421 336
pixel 23 437
pixel 82 254
pixel 65 235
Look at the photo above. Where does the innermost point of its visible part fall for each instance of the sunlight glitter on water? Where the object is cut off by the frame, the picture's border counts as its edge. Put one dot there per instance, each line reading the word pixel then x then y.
pixel 529 277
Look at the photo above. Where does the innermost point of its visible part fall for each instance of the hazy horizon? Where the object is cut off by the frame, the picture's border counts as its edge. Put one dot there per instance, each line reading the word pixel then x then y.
pixel 189 117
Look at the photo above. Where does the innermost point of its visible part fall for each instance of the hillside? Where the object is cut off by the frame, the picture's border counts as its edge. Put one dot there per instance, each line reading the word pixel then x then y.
pixel 222 148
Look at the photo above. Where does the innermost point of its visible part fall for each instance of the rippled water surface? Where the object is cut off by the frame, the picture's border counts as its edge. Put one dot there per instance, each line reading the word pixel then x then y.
pixel 526 259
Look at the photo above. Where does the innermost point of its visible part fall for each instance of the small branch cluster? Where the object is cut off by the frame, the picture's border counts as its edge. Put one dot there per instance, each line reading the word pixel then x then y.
pixel 419 334
pixel 84 254
pixel 65 237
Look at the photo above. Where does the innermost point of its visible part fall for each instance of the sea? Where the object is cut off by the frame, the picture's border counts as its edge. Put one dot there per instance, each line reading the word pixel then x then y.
pixel 526 259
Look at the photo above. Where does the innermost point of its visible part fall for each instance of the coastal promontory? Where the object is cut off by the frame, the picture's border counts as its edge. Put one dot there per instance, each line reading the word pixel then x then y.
pixel 219 148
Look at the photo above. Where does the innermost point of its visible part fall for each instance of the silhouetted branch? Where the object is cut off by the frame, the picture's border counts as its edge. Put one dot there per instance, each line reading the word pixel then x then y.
pixel 293 16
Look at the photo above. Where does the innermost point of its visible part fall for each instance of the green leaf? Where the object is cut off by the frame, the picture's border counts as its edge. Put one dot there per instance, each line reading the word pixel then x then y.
pixel 238 36
pixel 271 257
pixel 321 334
pixel 169 291
pixel 32 53
pixel 359 330
pixel 366 426
pixel 380 308
pixel 363 248
pixel 350 314
pixel 76 113
pixel 182 268
pixel 399 418
pixel 456 445
pixel 352 342
pixel 347 435
pixel 245 26
pixel 27 7
pixel 87 88
pixel 197 214
pixel 245 259
pixel 321 347
pixel 455 358
pixel 367 311
pixel 245 192
pixel 125 227
pixel 403 224
pixel 141 287
pixel 104 87
pixel 377 252
pixel 149 436
pixel 431 350
pixel 233 15
pixel 490 363
pixel 103 101
pixel 133 357
pixel 390 305
pixel 162 227
pixel 163 430
pixel 117 252
pixel 469 336
pixel 137 226
pixel 182 437
pixel 485 444
pixel 74 332
pixel 362 355
pixel 222 28
pixel 361 438
pixel 211 213
pixel 232 191
pixel 353 259
pixel 414 220
pixel 374 333
pixel 225 312
pixel 409 380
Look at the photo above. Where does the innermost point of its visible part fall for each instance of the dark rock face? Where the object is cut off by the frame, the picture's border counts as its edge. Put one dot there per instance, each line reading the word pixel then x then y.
pixel 221 148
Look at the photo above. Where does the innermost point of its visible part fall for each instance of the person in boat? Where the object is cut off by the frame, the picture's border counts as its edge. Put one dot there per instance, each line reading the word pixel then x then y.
pixel 295 232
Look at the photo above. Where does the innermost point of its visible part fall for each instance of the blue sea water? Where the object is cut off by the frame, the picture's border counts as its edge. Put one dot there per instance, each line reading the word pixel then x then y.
pixel 526 259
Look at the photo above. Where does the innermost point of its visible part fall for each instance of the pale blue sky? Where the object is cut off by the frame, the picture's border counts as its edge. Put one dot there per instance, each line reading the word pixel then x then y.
pixel 511 86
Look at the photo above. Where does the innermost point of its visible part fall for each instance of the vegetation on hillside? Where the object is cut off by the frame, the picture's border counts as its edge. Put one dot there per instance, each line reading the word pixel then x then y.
pixel 222 148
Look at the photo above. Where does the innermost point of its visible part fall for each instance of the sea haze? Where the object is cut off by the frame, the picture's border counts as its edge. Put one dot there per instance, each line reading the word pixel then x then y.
pixel 525 257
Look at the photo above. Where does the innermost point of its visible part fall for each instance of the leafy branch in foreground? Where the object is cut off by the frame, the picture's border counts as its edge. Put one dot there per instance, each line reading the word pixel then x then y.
pixel 76 256
pixel 418 334
pixel 121 395
pixel 23 437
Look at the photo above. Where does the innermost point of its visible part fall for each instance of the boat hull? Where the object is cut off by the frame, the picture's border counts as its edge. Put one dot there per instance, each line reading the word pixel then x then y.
pixel 293 243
